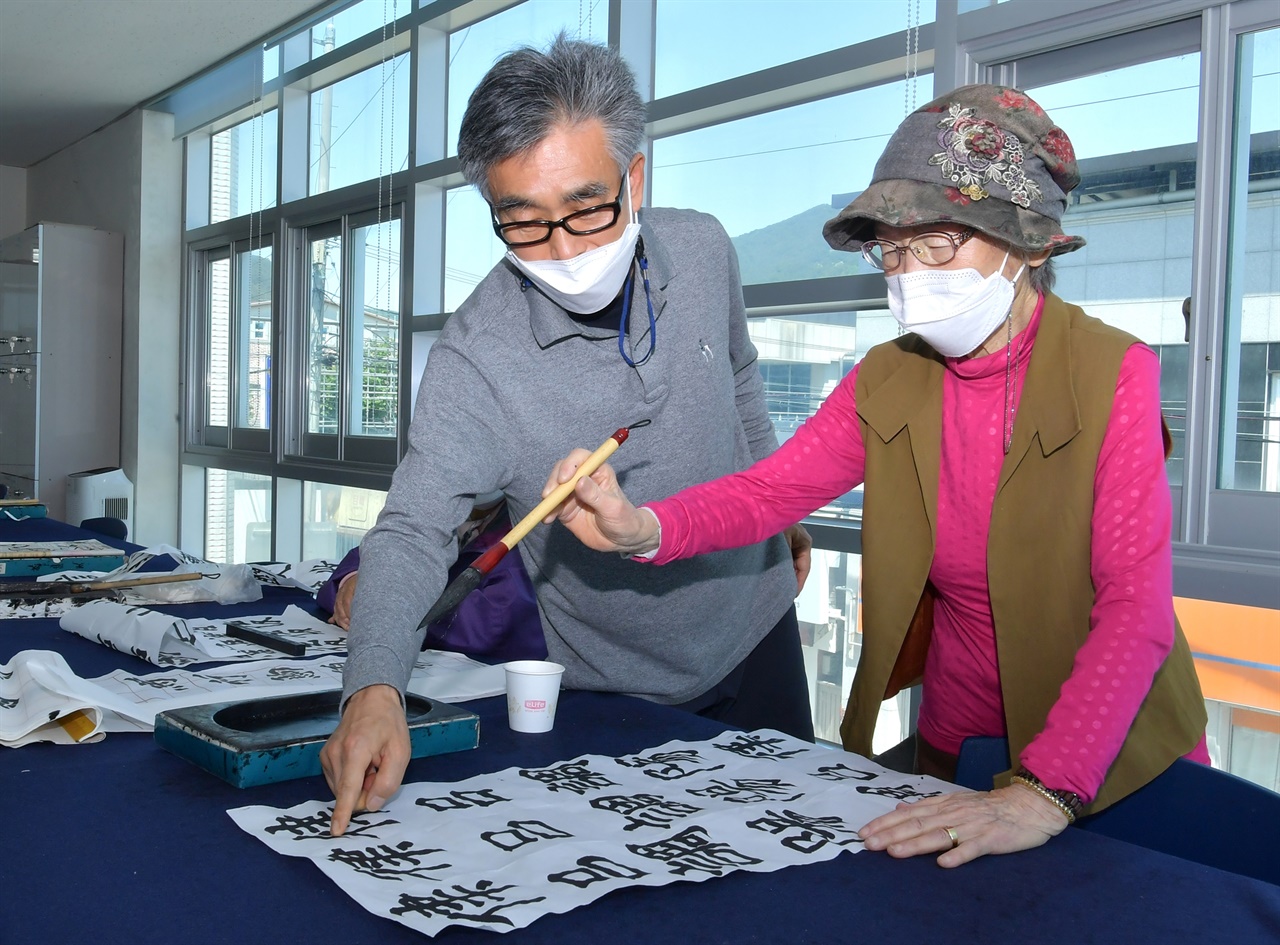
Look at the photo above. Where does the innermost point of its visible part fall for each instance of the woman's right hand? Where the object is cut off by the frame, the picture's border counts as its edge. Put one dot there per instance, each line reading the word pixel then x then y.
pixel 598 512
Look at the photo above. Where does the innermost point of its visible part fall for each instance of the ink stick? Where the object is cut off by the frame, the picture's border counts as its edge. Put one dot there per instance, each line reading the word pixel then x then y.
pixel 243 631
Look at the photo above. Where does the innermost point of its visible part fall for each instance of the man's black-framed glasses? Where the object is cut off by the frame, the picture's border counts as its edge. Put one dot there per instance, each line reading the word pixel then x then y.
pixel 582 222
pixel 932 249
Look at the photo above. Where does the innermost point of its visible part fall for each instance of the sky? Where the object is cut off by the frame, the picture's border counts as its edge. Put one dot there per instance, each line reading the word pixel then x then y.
pixel 757 170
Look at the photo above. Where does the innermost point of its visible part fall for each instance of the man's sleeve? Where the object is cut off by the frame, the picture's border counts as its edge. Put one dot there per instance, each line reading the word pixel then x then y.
pixel 406 556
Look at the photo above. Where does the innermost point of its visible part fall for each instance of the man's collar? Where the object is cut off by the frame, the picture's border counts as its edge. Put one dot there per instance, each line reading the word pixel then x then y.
pixel 551 324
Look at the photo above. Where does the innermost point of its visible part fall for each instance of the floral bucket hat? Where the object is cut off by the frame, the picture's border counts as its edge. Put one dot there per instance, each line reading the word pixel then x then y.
pixel 983 156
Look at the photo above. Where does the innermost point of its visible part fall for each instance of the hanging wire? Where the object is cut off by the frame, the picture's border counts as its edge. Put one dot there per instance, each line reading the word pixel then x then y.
pixel 913 55
pixel 911 70
pixel 382 140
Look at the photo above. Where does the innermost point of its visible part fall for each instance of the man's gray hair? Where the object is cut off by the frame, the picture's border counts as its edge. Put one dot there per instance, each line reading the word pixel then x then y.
pixel 528 93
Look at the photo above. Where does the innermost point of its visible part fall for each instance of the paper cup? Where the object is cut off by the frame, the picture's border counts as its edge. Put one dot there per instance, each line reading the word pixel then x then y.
pixel 533 688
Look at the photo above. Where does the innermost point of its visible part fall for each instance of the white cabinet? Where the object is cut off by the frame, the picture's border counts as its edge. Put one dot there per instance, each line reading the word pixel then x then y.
pixel 61 295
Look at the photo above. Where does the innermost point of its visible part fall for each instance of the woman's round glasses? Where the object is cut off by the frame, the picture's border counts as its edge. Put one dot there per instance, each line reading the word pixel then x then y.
pixel 580 223
pixel 932 249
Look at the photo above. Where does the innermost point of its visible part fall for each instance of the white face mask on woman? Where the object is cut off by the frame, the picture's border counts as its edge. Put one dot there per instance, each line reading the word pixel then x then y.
pixel 954 310
pixel 589 281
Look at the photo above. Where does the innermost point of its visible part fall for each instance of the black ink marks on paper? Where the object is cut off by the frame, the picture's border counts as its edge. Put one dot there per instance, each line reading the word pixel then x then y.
pixel 391 863
pixel 572 776
pixel 749 790
pixel 902 792
pixel 290 672
pixel 805 834
pixel 463 800
pixel 644 810
pixel 521 833
pixel 156 682
pixel 669 765
pixel 692 850
pixel 463 904
pixel 843 772
pixel 751 745
pixel 316 826
pixel 595 869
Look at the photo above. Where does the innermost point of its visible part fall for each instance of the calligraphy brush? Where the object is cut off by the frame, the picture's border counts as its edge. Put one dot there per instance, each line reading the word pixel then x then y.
pixel 469 580
pixel 87 588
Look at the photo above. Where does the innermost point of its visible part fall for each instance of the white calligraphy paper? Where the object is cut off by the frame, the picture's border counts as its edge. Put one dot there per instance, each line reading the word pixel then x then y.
pixel 308 575
pixel 30 712
pixel 500 850
pixel 175 641
pixel 37 688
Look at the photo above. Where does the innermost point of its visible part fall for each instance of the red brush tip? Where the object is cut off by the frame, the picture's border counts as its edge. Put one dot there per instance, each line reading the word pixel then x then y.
pixel 621 436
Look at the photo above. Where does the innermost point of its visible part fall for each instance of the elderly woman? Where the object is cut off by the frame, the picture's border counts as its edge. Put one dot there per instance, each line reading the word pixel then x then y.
pixel 1015 500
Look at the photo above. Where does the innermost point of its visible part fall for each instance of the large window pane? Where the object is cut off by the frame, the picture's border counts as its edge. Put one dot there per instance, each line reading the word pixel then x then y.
pixel 1134 131
pixel 355 21
pixel 829 611
pixel 773 180
pixel 375 329
pixel 534 23
pixel 360 127
pixel 335 518
pixel 237 525
pixel 802 358
pixel 471 248
pixel 242 172
pixel 748 37
pixel 253 301
pixel 324 340
pixel 1250 446
pixel 218 343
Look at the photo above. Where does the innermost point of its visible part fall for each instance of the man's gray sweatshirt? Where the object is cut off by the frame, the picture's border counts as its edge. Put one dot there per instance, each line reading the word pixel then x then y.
pixel 511 386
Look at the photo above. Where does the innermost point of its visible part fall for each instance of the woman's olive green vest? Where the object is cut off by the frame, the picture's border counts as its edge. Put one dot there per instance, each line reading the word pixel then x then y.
pixel 1038 552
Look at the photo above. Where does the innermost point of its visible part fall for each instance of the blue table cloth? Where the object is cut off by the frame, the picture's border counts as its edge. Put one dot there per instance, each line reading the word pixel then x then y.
pixel 120 841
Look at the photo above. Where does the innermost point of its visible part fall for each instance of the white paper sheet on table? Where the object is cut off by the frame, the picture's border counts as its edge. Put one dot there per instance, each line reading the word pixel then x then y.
pixel 500 850
pixel 307 575
pixel 38 687
pixel 29 712
pixel 223 583
pixel 165 640
pixel 304 575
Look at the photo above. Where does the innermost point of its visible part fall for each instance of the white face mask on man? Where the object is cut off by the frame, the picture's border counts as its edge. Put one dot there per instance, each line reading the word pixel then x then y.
pixel 589 281
pixel 954 310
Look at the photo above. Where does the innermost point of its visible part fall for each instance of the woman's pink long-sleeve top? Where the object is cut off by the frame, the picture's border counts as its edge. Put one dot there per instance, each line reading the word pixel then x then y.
pixel 1131 561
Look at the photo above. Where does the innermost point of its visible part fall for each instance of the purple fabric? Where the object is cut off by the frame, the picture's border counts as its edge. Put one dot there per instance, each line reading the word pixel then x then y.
pixel 498 620
pixel 327 596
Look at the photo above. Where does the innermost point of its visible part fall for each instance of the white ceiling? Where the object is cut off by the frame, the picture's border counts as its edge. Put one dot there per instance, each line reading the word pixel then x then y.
pixel 69 67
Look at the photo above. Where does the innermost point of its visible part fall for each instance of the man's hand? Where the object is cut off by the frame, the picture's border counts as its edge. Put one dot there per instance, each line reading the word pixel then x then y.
pixel 801 553
pixel 365 757
pixel 342 602
pixel 1005 820
pixel 598 512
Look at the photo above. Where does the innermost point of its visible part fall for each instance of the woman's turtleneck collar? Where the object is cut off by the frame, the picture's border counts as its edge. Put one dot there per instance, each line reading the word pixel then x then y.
pixel 986 365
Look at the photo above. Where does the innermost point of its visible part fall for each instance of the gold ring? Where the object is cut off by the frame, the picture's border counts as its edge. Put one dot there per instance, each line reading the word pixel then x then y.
pixel 955 837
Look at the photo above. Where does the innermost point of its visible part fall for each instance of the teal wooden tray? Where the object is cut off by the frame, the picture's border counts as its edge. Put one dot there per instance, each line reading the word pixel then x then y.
pixel 262 741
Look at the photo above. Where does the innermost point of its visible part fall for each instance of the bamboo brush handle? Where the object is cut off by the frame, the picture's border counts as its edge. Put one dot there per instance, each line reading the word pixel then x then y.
pixel 149 579
pixel 563 491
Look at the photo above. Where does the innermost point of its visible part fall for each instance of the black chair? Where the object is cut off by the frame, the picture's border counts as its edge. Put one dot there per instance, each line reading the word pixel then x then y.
pixel 1191 811
pixel 1200 814
pixel 111 527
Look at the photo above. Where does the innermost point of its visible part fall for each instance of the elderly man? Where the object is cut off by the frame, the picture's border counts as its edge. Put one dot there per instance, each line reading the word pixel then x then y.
pixel 596 319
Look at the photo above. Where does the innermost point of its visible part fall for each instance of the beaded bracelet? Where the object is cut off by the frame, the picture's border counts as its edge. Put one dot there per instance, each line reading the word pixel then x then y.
pixel 1067 802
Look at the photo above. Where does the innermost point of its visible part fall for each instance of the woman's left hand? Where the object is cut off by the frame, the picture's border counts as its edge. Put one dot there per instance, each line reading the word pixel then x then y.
pixel 1005 820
